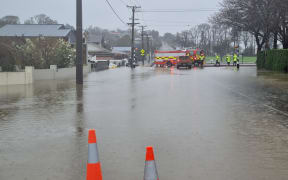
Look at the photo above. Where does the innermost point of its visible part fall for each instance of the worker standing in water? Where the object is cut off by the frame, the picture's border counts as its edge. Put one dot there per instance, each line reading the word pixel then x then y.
pixel 235 59
pixel 228 59
pixel 202 58
pixel 217 60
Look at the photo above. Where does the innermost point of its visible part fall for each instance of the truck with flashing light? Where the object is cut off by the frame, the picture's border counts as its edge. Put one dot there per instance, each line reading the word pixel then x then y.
pixel 178 58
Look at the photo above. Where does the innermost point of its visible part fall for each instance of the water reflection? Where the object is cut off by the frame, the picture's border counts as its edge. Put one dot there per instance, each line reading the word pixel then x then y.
pixel 133 89
pixel 269 75
pixel 79 111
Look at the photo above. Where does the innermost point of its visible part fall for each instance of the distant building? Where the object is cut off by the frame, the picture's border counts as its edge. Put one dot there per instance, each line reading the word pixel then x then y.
pixel 95 50
pixel 95 39
pixel 121 52
pixel 98 52
pixel 125 50
pixel 38 30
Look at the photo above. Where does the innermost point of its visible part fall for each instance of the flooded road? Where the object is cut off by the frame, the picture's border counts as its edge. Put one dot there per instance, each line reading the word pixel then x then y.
pixel 215 123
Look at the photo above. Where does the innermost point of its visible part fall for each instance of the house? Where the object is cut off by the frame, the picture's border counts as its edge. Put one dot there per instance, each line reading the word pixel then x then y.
pixel 95 50
pixel 125 50
pixel 38 30
pixel 121 52
pixel 32 31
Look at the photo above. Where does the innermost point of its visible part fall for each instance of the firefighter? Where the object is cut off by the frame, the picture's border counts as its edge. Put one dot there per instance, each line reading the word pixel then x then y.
pixel 235 59
pixel 228 59
pixel 217 60
pixel 202 58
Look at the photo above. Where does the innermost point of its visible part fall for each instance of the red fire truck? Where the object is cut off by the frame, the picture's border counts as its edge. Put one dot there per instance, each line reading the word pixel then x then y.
pixel 170 58
pixel 167 58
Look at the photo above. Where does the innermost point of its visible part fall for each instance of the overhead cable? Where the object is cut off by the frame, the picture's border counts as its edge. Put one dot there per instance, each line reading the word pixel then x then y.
pixel 115 12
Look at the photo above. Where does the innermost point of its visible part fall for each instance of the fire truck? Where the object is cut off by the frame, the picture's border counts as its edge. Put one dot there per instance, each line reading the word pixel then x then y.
pixel 172 58
pixel 167 58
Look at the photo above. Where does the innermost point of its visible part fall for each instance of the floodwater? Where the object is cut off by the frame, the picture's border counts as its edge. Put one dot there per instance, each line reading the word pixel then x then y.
pixel 212 123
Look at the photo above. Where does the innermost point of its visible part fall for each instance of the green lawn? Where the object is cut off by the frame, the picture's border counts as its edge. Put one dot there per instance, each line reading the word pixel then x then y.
pixel 249 59
pixel 246 59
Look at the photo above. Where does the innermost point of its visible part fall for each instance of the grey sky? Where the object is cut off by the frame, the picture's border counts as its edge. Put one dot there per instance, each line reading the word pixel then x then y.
pixel 98 13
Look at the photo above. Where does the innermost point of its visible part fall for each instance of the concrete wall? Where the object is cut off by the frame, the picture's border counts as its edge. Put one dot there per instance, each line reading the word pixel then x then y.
pixel 100 65
pixel 30 75
pixel 17 78
pixel 58 74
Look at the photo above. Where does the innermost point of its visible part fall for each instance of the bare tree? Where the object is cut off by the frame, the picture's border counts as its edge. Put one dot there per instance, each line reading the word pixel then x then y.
pixel 281 7
pixel 245 36
pixel 254 16
pixel 40 19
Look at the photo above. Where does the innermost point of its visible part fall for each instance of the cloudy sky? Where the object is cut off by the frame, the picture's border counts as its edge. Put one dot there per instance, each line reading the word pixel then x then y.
pixel 98 13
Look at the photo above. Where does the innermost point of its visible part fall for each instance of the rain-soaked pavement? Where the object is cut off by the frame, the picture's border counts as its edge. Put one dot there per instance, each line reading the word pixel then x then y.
pixel 210 124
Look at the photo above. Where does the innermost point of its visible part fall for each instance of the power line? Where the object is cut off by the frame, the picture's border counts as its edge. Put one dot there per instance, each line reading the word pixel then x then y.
pixel 115 12
pixel 177 10
pixel 142 14
pixel 168 25
pixel 172 22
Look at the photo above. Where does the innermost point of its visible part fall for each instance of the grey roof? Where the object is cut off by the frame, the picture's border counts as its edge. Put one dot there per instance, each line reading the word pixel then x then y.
pixel 92 47
pixel 94 38
pixel 122 49
pixel 34 30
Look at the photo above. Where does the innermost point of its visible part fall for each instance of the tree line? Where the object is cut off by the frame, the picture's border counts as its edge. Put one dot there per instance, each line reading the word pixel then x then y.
pixel 266 20
pixel 213 38
pixel 37 19
pixel 255 25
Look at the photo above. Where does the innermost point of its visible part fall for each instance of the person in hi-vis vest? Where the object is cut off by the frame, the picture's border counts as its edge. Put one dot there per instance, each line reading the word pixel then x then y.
pixel 228 59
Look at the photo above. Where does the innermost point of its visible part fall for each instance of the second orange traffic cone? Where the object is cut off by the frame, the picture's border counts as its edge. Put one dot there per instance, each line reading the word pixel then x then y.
pixel 150 172
pixel 93 165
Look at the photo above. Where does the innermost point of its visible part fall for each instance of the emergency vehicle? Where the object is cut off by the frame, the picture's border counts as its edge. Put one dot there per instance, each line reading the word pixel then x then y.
pixel 172 58
pixel 195 55
pixel 167 58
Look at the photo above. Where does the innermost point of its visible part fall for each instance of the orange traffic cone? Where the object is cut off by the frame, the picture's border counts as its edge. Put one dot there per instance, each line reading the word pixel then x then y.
pixel 93 165
pixel 150 172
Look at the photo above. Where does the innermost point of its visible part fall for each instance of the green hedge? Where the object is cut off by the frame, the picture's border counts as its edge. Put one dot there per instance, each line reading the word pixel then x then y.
pixel 274 60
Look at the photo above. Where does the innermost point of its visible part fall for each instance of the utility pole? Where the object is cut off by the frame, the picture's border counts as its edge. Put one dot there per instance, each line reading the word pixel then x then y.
pixel 148 48
pixel 142 41
pixel 79 43
pixel 132 59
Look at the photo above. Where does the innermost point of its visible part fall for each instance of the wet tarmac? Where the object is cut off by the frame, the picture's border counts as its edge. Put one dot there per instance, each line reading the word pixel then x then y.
pixel 205 124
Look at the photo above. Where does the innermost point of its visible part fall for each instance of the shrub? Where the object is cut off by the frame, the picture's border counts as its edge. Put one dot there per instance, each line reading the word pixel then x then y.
pixel 275 60
pixel 39 52
pixel 7 64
